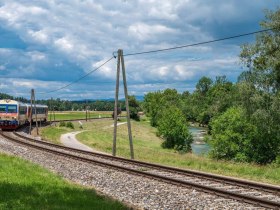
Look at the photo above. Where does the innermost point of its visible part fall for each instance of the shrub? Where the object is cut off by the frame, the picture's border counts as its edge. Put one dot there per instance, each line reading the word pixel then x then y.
pixel 232 136
pixel 70 125
pixel 62 124
pixel 174 130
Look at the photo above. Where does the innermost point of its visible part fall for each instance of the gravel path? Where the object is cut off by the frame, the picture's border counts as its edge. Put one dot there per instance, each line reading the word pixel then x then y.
pixel 69 140
pixel 139 192
pixel 118 124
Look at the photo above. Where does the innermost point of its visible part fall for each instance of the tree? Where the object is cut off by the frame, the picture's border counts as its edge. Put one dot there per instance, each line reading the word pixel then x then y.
pixel 173 127
pixel 203 85
pixel 263 57
pixel 221 96
pixel 233 136
pixel 152 106
pixel 261 95
pixel 134 108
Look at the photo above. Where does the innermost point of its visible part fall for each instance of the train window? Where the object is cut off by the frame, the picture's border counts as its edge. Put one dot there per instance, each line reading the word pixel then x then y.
pixel 12 109
pixel 2 108
pixel 22 110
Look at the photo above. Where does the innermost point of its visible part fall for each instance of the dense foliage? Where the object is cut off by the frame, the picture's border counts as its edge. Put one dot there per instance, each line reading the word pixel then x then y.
pixel 165 111
pixel 134 108
pixel 173 127
pixel 242 117
pixel 233 136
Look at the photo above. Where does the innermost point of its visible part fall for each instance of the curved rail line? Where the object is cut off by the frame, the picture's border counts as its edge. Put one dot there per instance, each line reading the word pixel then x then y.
pixel 224 193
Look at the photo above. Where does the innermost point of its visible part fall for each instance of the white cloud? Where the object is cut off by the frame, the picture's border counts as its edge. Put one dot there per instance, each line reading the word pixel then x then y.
pixel 64 44
pixel 144 31
pixel 39 36
pixel 37 56
pixel 66 39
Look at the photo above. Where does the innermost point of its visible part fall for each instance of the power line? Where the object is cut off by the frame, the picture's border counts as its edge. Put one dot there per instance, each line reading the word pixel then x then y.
pixel 199 43
pixel 77 80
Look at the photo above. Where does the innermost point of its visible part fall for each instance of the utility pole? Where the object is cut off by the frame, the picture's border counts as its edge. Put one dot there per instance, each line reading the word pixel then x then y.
pixel 30 114
pixel 51 111
pixel 37 131
pixel 115 113
pixel 54 107
pixel 32 101
pixel 86 111
pixel 121 62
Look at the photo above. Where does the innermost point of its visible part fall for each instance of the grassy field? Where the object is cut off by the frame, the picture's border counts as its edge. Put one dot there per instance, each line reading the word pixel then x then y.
pixel 67 115
pixel 53 133
pixel 25 186
pixel 99 135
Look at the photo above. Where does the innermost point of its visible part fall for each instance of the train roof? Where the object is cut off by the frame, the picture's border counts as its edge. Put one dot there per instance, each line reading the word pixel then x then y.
pixel 9 101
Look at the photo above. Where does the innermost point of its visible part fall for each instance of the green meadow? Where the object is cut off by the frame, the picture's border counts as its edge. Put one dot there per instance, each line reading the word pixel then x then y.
pixel 72 115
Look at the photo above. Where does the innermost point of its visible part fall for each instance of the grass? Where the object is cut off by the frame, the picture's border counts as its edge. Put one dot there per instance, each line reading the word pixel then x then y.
pixel 53 134
pixel 78 115
pixel 147 147
pixel 27 186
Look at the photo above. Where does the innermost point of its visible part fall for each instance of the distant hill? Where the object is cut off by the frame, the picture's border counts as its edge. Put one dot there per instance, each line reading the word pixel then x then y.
pixel 138 98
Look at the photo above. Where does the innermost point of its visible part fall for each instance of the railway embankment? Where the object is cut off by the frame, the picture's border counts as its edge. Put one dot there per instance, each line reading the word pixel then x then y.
pixel 147 148
pixel 140 191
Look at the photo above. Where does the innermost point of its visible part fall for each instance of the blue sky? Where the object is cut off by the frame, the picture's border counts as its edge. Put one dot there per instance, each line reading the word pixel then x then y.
pixel 47 44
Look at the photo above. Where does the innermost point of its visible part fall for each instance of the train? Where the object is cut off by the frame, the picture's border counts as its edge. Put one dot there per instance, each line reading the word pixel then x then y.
pixel 14 114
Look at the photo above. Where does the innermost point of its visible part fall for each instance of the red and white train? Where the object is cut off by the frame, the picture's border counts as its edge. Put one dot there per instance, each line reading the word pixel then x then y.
pixel 14 114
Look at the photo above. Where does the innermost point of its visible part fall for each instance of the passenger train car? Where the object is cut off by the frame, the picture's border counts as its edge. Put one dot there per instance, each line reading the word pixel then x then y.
pixel 14 114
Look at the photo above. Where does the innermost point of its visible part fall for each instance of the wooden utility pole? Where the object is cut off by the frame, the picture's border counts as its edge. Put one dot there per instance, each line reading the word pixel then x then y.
pixel 86 107
pixel 121 62
pixel 51 111
pixel 115 113
pixel 30 114
pixel 32 101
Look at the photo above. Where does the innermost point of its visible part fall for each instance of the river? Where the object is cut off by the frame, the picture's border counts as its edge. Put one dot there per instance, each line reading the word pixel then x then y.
pixel 199 147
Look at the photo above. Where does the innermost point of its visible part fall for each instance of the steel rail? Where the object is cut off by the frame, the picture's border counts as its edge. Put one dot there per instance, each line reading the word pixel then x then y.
pixel 209 176
pixel 220 192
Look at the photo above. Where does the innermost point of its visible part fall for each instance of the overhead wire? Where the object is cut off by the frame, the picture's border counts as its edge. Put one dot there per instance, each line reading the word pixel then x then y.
pixel 155 51
pixel 196 44
pixel 77 80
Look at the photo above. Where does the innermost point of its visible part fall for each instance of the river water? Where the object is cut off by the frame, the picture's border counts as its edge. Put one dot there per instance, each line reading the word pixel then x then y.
pixel 199 147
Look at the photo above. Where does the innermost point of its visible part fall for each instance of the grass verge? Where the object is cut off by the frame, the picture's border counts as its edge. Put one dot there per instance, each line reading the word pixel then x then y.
pixel 27 186
pixel 77 115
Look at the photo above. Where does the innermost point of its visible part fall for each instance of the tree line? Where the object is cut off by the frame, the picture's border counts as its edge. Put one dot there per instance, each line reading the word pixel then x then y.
pixel 243 117
pixel 66 105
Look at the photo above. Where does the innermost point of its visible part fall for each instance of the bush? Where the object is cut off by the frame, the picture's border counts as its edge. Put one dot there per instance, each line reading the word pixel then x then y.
pixel 62 124
pixel 70 125
pixel 173 128
pixel 232 136
pixel 134 114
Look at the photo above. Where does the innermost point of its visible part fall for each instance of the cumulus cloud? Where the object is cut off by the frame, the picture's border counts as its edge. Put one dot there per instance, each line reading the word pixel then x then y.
pixel 64 40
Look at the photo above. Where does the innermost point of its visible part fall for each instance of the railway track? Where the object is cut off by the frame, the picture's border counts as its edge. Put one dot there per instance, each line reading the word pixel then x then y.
pixel 263 195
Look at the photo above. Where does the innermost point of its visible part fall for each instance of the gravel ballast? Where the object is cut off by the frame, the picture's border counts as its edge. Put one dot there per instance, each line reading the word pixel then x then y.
pixel 139 192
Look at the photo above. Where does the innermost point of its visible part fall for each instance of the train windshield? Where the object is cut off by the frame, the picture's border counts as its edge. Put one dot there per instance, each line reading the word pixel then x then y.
pixel 2 108
pixel 12 109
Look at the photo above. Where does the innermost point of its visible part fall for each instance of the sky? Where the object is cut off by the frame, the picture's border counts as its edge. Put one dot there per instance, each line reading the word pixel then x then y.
pixel 48 44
